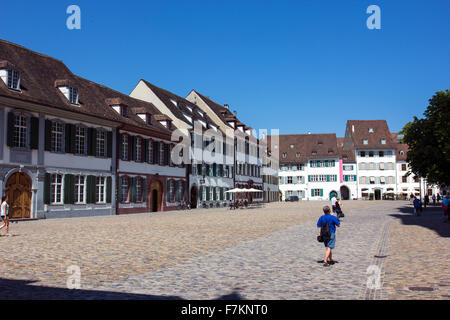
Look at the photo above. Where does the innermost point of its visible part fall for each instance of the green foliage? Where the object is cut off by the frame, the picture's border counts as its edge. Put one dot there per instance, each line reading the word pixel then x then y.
pixel 429 141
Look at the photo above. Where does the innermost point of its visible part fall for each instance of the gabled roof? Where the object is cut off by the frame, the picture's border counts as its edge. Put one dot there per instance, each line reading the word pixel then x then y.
pixel 182 106
pixel 41 75
pixel 401 149
pixel 358 130
pixel 299 148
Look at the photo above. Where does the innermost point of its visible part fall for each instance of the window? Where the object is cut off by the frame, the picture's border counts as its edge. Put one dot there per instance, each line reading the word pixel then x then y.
pixel 139 189
pixel 370 154
pixel 161 153
pixel 390 166
pixel 362 153
pixel 20 131
pixel 381 165
pixel 57 136
pixel 124 154
pixel 363 166
pixel 381 154
pixel 403 166
pixel 125 189
pixel 383 141
pixel 289 180
pixel 382 180
pixel 372 166
pixel 80 140
pixel 297 155
pixel 365 141
pixel 150 152
pixel 100 191
pixel 101 137
pixel 314 153
pixel 363 180
pixel 391 180
pixel 14 79
pixel 56 189
pixel 348 167
pixel 371 130
pixel 138 149
pixel 73 95
pixel 316 192
pixel 372 180
pixel 404 179
pixel 79 189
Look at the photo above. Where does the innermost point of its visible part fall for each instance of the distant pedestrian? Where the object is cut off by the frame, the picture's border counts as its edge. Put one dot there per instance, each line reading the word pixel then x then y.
pixel 438 198
pixel 333 203
pixel 327 224
pixel 339 208
pixel 416 204
pixel 4 213
pixel 426 200
pixel 433 197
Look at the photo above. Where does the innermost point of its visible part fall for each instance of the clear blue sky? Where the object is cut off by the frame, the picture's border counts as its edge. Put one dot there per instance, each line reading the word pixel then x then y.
pixel 302 65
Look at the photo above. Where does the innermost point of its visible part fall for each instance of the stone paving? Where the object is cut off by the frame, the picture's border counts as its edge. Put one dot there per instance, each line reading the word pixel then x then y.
pixel 268 253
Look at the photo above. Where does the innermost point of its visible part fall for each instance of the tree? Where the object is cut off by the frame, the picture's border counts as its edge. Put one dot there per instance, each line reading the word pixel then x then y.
pixel 428 140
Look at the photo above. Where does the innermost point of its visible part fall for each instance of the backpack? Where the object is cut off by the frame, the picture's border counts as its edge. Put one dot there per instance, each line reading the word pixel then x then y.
pixel 325 233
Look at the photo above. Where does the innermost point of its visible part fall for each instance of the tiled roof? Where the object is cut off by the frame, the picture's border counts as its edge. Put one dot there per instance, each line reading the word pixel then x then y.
pixel 41 75
pixel 372 130
pixel 223 113
pixel 401 149
pixel 182 106
pixel 299 148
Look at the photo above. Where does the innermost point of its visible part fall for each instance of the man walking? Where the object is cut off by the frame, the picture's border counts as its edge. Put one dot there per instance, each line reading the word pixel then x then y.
pixel 333 203
pixel 328 224
pixel 417 206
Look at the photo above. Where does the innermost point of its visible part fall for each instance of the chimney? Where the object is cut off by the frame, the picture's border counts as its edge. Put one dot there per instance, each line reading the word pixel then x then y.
pixel 235 113
pixel 226 106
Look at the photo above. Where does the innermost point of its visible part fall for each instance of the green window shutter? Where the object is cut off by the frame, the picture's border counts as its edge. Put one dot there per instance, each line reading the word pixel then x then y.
pixel 328 178
pixel 69 189
pixel 345 178
pixel 10 138
pixel 34 133
pixel 309 178
pixel 321 192
pixel 119 190
pixel 72 138
pixel 48 135
pixel 47 181
pixel 354 178
pixel 326 163
pixel 312 192
pixel 208 193
pixel 144 190
pixel 119 138
pixel 90 190
pixel 199 169
pixel 133 190
pixel 215 170
pixel 335 178
pixel 156 152
pixel 333 163
pixel 200 193
pixel 108 189
pixel 93 143
pixel 145 150
pixel 109 144
pixel 132 148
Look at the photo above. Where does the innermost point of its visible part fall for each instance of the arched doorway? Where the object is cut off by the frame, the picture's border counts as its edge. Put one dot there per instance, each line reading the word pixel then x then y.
pixel 333 193
pixel 345 193
pixel 194 195
pixel 155 196
pixel 18 189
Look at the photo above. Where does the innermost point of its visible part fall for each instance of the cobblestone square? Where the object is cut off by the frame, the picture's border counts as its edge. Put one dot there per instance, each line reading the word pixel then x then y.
pixel 268 253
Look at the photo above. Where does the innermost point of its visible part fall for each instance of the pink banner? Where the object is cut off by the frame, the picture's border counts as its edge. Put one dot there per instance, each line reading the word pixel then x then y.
pixel 341 170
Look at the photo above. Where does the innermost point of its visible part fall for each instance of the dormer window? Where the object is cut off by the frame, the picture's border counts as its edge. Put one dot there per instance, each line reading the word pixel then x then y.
pixel 383 141
pixel 365 141
pixel 13 81
pixel 330 151
pixel 297 155
pixel 291 146
pixel 320 143
pixel 174 102
pixel 73 95
pixel 146 117
pixel 284 155
pixel 314 153
pixel 371 130
pixel 120 109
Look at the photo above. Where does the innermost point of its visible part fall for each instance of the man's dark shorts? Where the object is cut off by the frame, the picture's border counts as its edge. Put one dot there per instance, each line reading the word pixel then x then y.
pixel 332 242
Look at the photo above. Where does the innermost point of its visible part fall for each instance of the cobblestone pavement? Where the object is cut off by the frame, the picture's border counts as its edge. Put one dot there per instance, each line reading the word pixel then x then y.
pixel 418 262
pixel 268 253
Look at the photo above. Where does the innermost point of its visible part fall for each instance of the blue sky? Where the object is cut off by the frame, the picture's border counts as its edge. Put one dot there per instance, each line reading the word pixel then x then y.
pixel 303 65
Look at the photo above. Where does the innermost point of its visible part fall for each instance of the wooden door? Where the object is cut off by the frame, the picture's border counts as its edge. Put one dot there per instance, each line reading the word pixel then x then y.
pixel 156 196
pixel 18 188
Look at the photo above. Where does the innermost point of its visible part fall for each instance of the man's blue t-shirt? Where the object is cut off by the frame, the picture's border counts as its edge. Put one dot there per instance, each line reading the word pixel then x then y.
pixel 416 203
pixel 332 222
